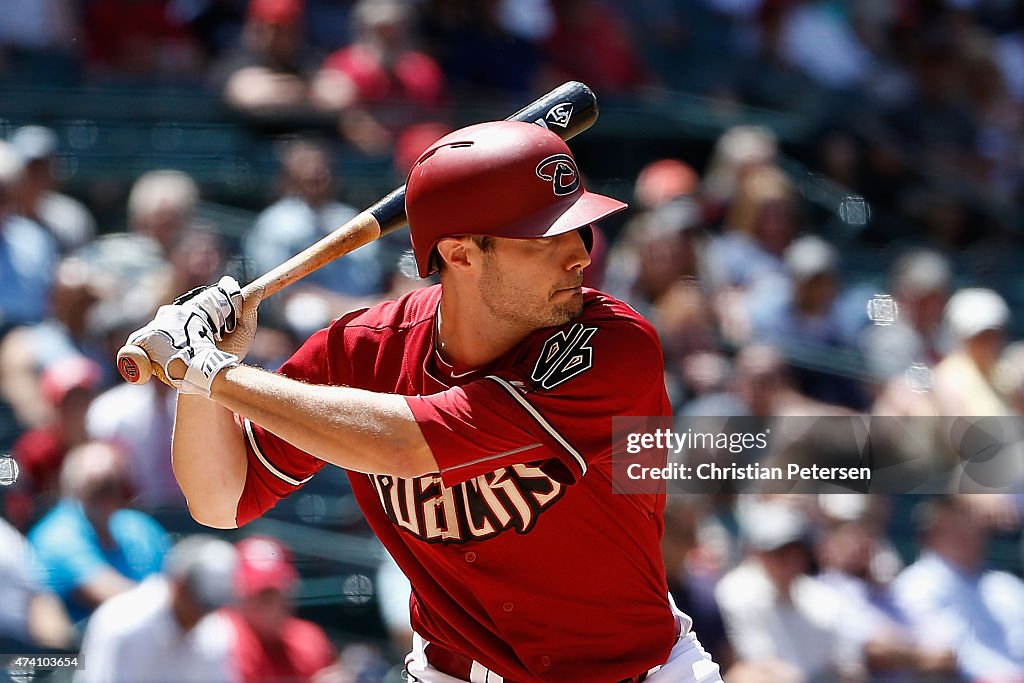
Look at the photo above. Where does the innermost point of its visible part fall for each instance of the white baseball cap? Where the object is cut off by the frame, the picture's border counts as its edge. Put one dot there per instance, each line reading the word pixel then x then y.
pixel 34 142
pixel 972 311
pixel 206 565
pixel 770 526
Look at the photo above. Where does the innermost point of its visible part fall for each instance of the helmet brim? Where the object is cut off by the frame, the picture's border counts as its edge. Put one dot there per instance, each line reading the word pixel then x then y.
pixel 588 208
pixel 574 213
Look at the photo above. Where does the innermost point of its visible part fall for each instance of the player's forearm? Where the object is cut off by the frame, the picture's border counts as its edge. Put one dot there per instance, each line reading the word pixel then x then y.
pixel 209 460
pixel 359 430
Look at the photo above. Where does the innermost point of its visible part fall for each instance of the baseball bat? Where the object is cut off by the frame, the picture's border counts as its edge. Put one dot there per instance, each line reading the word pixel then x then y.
pixel 567 110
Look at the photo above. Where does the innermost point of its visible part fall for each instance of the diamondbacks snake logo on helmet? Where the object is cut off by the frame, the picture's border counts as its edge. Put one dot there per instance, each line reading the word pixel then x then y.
pixel 560 169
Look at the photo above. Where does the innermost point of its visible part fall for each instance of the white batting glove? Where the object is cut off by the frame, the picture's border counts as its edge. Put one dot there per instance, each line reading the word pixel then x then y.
pixel 222 304
pixel 179 341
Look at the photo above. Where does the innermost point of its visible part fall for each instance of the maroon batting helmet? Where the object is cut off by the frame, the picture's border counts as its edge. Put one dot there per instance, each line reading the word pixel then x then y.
pixel 505 179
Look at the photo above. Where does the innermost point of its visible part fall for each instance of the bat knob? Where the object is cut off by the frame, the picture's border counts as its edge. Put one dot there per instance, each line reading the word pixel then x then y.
pixel 134 365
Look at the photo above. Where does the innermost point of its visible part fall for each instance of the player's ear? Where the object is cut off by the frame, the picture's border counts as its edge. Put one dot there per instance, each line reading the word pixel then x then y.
pixel 454 251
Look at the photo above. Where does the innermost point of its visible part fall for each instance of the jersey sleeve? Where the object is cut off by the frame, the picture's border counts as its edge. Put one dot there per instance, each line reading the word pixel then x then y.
pixel 275 467
pixel 554 408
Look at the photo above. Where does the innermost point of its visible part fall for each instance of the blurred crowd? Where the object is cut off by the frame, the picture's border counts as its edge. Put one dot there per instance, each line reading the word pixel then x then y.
pixel 916 114
pixel 914 103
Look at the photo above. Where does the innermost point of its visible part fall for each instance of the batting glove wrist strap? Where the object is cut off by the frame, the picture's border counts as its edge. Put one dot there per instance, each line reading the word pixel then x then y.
pixel 203 369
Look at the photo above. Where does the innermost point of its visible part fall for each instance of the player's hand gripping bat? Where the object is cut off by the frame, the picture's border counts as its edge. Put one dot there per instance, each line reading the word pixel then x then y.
pixel 567 110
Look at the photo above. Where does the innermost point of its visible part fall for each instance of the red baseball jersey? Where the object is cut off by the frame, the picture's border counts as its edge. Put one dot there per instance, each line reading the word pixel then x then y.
pixel 519 554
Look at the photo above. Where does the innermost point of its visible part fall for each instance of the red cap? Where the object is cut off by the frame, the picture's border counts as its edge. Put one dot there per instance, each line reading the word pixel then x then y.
pixel 72 372
pixel 665 179
pixel 275 11
pixel 263 563
pixel 503 178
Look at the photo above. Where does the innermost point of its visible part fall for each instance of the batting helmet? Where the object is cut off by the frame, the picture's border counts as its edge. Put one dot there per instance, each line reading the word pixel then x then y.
pixel 505 179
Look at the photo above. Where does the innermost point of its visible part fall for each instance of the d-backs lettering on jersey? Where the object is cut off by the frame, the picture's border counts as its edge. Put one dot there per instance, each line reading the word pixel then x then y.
pixel 519 527
pixel 508 498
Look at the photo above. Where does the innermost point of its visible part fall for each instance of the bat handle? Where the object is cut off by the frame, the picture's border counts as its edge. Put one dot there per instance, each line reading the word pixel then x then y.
pixel 133 364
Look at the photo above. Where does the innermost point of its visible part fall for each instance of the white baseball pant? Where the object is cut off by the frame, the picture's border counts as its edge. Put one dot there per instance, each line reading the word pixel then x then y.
pixel 687 663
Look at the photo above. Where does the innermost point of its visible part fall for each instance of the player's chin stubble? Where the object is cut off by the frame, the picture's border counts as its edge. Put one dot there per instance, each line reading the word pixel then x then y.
pixel 564 312
pixel 509 302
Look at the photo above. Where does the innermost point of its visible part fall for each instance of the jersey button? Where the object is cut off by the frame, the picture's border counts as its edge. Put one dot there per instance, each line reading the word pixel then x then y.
pixel 545 661
pixel 508 607
pixel 470 556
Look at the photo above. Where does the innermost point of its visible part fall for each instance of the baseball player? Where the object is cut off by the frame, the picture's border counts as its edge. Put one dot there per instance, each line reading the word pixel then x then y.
pixel 474 418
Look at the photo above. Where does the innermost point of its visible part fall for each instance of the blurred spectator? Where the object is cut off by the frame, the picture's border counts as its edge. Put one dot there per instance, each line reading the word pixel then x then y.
pixel 138 419
pixel 920 282
pixel 381 63
pixel 380 66
pixel 580 25
pixel 773 610
pixel 877 635
pixel 139 40
pixel 90 547
pixel 692 571
pixel 902 354
pixel 801 313
pixel 658 248
pixel 748 256
pixel 269 74
pixel 66 218
pixel 306 212
pixel 661 248
pixel 684 318
pixel 964 380
pixel 27 351
pixel 737 152
pixel 68 386
pixel 28 253
pixel 166 628
pixel 272 645
pixel 954 603
pixel 760 224
pixel 807 319
pixel 161 206
pixel 30 616
pixel 657 265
